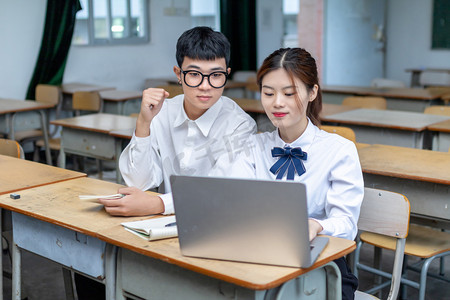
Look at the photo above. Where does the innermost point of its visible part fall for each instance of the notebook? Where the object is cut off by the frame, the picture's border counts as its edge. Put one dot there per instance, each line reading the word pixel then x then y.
pixel 256 221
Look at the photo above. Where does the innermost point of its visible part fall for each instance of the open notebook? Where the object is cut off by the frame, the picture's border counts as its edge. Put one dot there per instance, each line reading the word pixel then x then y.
pixel 244 220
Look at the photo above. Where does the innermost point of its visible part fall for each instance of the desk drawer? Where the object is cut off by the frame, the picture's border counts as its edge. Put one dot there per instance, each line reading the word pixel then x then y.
pixel 66 247
pixel 87 143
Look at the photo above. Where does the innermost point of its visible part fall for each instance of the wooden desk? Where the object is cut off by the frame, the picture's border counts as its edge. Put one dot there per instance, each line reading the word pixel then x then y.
pixel 15 115
pixel 441 136
pixel 406 99
pixel 52 222
pixel 151 270
pixel 125 134
pixel 89 136
pixel 416 72
pixel 421 175
pixel 115 101
pixel 390 127
pixel 331 109
pixel 19 174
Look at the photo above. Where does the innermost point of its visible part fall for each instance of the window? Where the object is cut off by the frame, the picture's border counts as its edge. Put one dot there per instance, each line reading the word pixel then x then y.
pixel 110 22
pixel 290 12
pixel 205 13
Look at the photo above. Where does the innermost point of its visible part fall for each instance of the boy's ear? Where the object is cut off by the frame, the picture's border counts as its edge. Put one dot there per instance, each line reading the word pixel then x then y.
pixel 229 71
pixel 177 72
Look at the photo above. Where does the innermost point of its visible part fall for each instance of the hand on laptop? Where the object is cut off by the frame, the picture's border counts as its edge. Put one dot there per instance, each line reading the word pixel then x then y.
pixel 134 203
pixel 314 228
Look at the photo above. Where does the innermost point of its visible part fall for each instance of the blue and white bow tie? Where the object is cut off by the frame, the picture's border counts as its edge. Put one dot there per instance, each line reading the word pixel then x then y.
pixel 290 160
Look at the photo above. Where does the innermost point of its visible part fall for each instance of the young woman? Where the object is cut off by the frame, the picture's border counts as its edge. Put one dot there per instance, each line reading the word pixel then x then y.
pixel 298 150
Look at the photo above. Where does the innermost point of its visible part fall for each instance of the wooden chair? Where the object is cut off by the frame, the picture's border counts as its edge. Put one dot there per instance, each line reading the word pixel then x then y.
pixel 87 101
pixel 384 215
pixel 345 132
pixel 442 110
pixel 172 89
pixel 423 242
pixel 45 93
pixel 366 102
pixel 11 148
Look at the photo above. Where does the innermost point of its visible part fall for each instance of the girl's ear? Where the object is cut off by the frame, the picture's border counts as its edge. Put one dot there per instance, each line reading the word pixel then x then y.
pixel 313 93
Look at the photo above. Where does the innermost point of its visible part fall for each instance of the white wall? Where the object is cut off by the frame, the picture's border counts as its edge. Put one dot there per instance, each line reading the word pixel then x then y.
pixel 20 38
pixel 409 26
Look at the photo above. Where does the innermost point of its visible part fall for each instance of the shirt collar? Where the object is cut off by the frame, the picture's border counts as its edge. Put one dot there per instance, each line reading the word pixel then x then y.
pixel 205 121
pixel 304 141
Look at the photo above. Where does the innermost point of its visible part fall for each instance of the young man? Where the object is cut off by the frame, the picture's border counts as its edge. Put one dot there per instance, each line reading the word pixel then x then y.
pixel 186 134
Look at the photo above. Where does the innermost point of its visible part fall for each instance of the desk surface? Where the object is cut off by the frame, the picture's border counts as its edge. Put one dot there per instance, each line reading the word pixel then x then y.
pixel 388 92
pixel 409 163
pixel 59 204
pixel 394 119
pixel 118 95
pixel 443 126
pixel 70 88
pixel 12 106
pixel 252 276
pixel 101 122
pixel 18 174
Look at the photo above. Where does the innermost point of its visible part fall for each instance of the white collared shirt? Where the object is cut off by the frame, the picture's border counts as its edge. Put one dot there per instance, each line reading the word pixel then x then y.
pixel 333 177
pixel 178 145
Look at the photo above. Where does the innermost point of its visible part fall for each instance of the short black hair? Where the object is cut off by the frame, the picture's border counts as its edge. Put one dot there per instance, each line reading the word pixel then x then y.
pixel 202 43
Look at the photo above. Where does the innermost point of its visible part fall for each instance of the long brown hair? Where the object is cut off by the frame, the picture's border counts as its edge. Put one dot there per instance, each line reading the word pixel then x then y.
pixel 298 63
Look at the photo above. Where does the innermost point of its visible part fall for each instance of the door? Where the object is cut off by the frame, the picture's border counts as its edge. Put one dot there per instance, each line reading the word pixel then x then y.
pixel 354 43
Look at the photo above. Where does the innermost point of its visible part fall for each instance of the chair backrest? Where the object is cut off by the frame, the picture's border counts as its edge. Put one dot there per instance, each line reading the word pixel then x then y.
pixel 87 101
pixel 11 148
pixel 442 110
pixel 384 212
pixel 172 89
pixel 346 132
pixel 366 102
pixel 47 93
pixel 384 82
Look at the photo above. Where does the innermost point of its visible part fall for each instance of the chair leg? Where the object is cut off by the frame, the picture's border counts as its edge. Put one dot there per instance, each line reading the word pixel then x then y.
pixel 403 290
pixel 377 256
pixel 68 284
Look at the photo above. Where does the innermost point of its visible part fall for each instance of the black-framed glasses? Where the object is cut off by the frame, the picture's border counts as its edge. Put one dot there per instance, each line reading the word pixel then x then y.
pixel 195 78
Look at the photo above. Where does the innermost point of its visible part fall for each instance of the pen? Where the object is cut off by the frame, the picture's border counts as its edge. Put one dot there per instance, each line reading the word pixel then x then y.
pixel 171 224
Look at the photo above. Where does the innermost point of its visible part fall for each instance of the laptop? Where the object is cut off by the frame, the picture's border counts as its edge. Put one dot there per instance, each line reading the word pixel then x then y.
pixel 255 221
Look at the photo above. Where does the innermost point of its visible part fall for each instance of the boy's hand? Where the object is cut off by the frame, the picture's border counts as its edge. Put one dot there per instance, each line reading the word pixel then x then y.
pixel 134 203
pixel 152 101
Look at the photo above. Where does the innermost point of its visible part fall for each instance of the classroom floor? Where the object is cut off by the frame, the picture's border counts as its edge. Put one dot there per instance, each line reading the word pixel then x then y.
pixel 43 280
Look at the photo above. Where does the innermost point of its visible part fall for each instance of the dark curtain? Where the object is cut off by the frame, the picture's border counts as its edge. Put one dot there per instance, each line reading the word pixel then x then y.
pixel 238 24
pixel 56 39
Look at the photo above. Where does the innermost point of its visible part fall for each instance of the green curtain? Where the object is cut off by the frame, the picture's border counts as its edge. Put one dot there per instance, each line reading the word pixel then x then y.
pixel 238 24
pixel 56 40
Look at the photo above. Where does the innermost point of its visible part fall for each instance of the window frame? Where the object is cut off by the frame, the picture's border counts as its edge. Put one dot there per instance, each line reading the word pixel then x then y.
pixel 92 41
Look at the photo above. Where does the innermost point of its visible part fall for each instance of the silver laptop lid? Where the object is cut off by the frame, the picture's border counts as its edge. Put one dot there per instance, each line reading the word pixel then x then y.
pixel 243 220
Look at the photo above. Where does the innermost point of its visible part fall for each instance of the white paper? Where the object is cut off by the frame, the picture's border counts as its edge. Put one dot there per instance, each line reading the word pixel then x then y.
pixel 153 229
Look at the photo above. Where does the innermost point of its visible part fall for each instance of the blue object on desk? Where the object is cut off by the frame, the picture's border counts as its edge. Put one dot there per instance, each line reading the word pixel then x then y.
pixel 171 224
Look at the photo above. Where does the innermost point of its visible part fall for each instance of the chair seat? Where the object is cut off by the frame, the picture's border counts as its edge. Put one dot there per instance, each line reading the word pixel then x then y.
pixel 364 296
pixel 422 241
pixel 27 134
pixel 55 144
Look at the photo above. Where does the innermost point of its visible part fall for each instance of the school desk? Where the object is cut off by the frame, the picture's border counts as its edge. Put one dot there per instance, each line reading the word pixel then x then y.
pixel 121 102
pixel 390 127
pixel 157 270
pixel 416 72
pixel 441 135
pixel 421 175
pixel 69 88
pixel 406 99
pixel 53 222
pixel 89 136
pixel 19 174
pixel 15 116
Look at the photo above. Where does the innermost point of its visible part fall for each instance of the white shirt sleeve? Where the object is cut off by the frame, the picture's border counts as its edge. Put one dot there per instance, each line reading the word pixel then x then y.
pixel 140 163
pixel 345 195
